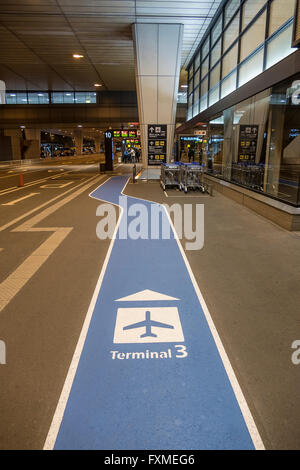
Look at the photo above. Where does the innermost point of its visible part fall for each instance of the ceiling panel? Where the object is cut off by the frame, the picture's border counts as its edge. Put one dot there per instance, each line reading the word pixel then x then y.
pixel 38 38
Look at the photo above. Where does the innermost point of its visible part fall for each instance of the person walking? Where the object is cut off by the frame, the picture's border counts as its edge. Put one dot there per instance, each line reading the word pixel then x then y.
pixel 191 154
pixel 132 154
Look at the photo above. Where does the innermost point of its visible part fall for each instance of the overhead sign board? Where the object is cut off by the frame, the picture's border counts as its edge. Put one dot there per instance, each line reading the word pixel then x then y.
pixel 157 143
pixel 248 143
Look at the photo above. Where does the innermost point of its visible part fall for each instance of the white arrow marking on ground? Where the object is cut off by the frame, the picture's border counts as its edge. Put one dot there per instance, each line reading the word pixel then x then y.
pixel 145 295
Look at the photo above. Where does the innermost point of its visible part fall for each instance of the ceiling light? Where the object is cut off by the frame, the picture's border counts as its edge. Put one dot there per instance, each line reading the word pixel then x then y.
pixel 79 125
pixel 184 86
pixel 77 56
pixel 97 84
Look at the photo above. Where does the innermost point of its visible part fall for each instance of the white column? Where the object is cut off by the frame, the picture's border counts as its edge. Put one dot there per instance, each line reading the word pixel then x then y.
pixel 78 142
pixel 97 144
pixel 157 64
pixel 2 92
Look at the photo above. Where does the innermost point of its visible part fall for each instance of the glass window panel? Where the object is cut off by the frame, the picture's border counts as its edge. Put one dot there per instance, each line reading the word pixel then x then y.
pixel 230 9
pixel 215 54
pixel 204 87
pixel 228 85
pixel 281 11
pixel 230 61
pixel 205 48
pixel 85 97
pixel 38 98
pixel 190 87
pixel 197 61
pixel 214 95
pixel 21 98
pixel 250 9
pixel 251 68
pixel 203 103
pixel 196 109
pixel 215 76
pixel 231 33
pixel 190 113
pixel 196 95
pixel 11 98
pixel 253 37
pixel 191 100
pixel 59 97
pixel 191 71
pixel 204 68
pixel 217 30
pixel 280 46
pixel 197 78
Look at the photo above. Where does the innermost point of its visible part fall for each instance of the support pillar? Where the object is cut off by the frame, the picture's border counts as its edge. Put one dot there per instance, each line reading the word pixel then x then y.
pixel 97 144
pixel 32 144
pixel 157 63
pixel 2 92
pixel 78 142
pixel 14 147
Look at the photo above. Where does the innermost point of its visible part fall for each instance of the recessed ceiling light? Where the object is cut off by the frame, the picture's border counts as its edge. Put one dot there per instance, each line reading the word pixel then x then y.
pixel 184 86
pixel 97 84
pixel 78 56
pixel 79 125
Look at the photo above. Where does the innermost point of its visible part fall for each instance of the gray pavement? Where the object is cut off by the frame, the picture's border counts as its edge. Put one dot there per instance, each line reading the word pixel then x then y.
pixel 248 273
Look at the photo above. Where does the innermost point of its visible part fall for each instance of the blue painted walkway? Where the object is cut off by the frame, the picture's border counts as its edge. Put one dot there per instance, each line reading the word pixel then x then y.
pixel 170 402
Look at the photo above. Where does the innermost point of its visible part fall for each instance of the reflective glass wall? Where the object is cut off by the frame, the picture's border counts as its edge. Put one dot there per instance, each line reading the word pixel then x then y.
pixel 256 144
pixel 245 39
pixel 45 97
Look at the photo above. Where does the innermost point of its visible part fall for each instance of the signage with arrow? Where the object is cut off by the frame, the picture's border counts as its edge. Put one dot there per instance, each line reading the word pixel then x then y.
pixel 157 143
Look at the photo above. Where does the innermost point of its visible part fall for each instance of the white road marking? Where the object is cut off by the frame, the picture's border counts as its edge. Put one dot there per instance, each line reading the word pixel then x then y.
pixel 15 188
pixel 145 295
pixel 56 185
pixel 63 399
pixel 12 203
pixel 17 219
pixel 10 287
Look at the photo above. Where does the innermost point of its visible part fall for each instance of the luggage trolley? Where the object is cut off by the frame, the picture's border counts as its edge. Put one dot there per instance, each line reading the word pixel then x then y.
pixel 170 175
pixel 192 177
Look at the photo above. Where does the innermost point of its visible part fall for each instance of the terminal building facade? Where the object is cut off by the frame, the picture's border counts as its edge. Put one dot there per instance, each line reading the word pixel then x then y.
pixel 244 87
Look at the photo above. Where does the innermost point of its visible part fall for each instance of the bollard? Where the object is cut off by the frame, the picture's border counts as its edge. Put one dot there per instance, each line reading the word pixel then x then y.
pixel 21 181
pixel 134 173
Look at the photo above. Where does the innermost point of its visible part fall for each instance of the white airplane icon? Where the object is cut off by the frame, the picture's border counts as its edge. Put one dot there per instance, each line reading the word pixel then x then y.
pixel 148 323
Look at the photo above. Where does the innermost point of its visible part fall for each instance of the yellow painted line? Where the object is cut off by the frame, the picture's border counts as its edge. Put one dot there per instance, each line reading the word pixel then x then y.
pixel 17 219
pixel 11 203
pixel 10 287
pixel 17 172
pixel 32 183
